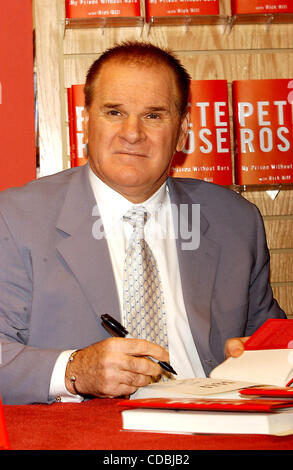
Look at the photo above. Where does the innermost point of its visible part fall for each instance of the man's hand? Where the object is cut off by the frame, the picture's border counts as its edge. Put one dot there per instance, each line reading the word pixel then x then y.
pixel 234 347
pixel 114 367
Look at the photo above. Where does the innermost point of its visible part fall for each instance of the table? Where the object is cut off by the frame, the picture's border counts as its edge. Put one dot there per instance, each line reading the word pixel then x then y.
pixel 96 424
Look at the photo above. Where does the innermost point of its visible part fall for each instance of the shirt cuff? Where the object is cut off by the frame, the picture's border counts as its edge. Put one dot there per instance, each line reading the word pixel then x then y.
pixel 57 390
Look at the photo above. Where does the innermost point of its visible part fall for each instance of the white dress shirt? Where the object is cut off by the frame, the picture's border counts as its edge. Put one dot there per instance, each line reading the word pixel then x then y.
pixel 160 236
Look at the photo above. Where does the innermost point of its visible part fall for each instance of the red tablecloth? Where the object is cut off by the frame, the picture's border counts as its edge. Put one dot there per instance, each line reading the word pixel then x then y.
pixel 96 424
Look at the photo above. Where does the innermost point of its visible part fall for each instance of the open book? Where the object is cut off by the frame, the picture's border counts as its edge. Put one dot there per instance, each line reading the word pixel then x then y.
pixel 267 360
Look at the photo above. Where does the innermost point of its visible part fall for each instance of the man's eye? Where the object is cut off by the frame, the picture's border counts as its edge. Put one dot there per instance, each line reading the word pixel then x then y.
pixel 114 112
pixel 153 116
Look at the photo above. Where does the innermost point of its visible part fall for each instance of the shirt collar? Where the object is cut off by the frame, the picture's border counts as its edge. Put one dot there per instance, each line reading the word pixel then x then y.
pixel 112 205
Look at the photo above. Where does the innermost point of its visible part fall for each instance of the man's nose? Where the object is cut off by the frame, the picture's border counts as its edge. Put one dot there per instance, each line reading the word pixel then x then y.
pixel 132 129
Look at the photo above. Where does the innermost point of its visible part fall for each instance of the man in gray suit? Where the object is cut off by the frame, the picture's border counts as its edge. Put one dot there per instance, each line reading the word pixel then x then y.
pixel 63 243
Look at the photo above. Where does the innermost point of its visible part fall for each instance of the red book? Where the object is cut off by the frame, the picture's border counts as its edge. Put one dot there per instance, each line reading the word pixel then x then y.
pixel 205 404
pixel 262 111
pixel 267 358
pixel 239 7
pixel 4 441
pixel 17 117
pixel 270 392
pixel 240 416
pixel 101 8
pixel 207 152
pixel 70 126
pixel 76 124
pixel 163 8
pixel 275 333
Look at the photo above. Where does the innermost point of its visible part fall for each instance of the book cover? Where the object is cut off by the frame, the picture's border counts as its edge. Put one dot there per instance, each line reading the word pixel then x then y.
pixel 186 417
pixel 268 392
pixel 77 125
pixel 207 152
pixel 101 8
pixel 4 441
pixel 70 127
pixel 240 7
pixel 205 404
pixel 17 99
pixel 262 112
pixel 163 8
pixel 275 333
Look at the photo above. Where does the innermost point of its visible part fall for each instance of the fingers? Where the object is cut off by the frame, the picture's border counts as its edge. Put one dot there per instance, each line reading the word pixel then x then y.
pixel 140 365
pixel 134 381
pixel 125 383
pixel 116 381
pixel 137 347
pixel 115 367
pixel 234 347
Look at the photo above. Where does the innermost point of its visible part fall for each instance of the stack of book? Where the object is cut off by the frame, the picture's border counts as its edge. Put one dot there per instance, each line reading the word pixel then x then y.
pixel 216 416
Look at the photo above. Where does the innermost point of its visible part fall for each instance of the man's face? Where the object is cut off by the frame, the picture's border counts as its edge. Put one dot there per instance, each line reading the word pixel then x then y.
pixel 134 128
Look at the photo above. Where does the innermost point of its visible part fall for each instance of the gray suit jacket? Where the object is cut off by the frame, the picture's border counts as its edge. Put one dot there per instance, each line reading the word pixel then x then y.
pixel 56 279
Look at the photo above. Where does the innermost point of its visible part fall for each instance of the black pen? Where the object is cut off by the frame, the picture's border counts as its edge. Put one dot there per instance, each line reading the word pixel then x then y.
pixel 116 329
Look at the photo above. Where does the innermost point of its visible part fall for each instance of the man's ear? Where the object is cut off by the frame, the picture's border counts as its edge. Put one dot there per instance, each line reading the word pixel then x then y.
pixel 183 134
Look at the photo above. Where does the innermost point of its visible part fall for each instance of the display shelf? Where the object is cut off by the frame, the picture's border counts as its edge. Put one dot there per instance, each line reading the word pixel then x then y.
pixel 179 20
pixel 243 188
pixel 262 18
pixel 103 22
pixel 188 20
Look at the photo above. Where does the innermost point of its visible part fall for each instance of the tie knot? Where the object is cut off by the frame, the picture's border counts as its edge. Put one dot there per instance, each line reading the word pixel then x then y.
pixel 137 217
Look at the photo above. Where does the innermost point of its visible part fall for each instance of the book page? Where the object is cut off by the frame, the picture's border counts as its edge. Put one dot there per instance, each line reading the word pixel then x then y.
pixel 267 367
pixel 196 387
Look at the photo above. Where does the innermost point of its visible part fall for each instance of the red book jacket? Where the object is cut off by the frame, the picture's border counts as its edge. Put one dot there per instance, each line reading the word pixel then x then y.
pixel 98 8
pixel 239 7
pixel 207 404
pixel 178 8
pixel 78 155
pixel 262 111
pixel 207 153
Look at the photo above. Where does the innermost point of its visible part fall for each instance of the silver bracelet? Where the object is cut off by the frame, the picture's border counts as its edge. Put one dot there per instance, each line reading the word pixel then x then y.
pixel 72 377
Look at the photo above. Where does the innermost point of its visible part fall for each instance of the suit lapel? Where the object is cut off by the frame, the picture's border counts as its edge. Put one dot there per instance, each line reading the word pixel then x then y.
pixel 88 258
pixel 197 269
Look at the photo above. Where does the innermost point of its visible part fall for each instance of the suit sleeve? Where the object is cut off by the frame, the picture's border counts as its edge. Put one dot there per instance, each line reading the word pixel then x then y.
pixel 25 371
pixel 262 304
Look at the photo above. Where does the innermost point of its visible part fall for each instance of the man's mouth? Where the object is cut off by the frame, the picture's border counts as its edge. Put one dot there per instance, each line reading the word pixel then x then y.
pixel 130 153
